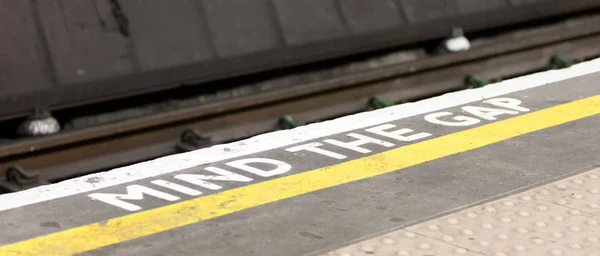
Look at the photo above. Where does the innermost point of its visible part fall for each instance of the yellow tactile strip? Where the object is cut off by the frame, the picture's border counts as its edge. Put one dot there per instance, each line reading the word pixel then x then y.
pixel 561 218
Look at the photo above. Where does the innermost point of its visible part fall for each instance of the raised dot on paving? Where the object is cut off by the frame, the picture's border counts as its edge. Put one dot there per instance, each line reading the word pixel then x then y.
pixel 575 228
pixel 388 241
pixel 561 201
pixel 576 246
pixel 424 246
pixel 575 212
pixel 508 203
pixel 460 250
pixel 540 224
pixel 453 221
pixel 557 234
pixel 484 243
pixel 448 238
pixel 525 198
pixel 367 248
pixel 539 241
pixel 403 253
pixel 467 232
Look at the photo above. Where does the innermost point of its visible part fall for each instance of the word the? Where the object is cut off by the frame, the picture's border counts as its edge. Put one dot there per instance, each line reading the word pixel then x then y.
pixel 193 181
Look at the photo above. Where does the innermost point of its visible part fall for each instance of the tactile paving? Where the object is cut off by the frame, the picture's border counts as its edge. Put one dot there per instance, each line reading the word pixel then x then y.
pixel 561 218
pixel 402 243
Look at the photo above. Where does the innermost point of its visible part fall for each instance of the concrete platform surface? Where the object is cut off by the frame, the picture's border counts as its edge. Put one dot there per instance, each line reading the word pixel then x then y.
pixel 415 170
pixel 561 218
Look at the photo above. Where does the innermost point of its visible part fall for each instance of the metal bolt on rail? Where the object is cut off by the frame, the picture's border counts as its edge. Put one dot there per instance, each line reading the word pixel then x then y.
pixel 377 103
pixel 192 139
pixel 559 62
pixel 16 179
pixel 474 81
pixel 288 122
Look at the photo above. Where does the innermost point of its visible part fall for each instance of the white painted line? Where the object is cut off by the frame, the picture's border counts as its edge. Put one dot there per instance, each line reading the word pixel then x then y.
pixel 284 138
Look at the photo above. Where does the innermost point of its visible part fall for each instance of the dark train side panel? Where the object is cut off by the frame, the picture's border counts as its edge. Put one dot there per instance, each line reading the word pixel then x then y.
pixel 62 53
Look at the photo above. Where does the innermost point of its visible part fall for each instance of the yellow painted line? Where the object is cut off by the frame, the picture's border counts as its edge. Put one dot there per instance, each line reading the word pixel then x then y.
pixel 168 217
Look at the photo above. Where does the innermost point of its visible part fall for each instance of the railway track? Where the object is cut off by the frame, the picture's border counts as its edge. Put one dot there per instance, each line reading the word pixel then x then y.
pixel 36 161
